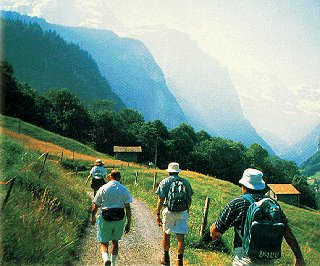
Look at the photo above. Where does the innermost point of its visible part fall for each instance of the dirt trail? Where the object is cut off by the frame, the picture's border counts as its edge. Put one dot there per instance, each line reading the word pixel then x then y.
pixel 141 246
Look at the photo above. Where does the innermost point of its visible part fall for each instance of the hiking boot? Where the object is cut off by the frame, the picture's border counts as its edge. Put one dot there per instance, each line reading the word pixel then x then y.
pixel 179 262
pixel 165 261
pixel 107 263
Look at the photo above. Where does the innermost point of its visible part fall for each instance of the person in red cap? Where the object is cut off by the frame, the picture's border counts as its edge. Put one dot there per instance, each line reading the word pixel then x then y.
pixel 234 215
pixel 97 174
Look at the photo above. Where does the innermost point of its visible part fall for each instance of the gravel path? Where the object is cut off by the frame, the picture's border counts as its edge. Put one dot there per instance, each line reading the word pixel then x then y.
pixel 141 246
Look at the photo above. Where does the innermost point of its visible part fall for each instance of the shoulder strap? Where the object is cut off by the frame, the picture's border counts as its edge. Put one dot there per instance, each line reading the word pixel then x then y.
pixel 248 197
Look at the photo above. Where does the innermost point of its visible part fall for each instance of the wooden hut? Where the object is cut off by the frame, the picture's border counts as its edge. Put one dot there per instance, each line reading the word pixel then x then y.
pixel 286 193
pixel 127 153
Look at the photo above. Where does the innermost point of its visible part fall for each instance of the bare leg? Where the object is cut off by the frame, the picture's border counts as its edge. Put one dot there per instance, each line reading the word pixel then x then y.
pixel 180 239
pixel 166 242
pixel 115 247
pixel 165 260
pixel 181 245
pixel 104 247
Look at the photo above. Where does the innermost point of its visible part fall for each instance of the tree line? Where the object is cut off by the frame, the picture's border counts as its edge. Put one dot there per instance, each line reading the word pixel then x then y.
pixel 99 126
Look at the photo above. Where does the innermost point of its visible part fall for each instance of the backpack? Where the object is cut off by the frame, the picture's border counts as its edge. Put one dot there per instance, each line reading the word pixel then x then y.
pixel 177 199
pixel 263 229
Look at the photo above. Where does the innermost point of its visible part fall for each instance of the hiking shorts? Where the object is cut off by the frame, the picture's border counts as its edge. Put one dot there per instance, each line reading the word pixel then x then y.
pixel 241 259
pixel 175 222
pixel 108 231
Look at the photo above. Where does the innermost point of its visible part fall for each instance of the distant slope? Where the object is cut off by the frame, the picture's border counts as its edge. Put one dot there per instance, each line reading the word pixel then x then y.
pixel 311 165
pixel 128 66
pixel 44 60
pixel 201 85
pixel 305 148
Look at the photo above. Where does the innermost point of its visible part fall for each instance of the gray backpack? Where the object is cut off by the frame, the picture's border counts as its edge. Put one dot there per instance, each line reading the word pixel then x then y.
pixel 177 199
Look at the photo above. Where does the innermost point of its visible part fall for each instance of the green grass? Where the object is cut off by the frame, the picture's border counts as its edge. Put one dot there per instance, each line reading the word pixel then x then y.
pixel 27 129
pixel 44 218
pixel 60 198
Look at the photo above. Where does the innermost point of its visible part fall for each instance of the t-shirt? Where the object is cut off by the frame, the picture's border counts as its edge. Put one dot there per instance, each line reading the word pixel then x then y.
pixel 164 186
pixel 112 195
pixel 98 172
pixel 234 214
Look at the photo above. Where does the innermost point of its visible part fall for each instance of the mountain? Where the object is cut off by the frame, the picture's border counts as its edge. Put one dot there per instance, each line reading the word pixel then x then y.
pixel 305 148
pixel 201 85
pixel 276 109
pixel 44 60
pixel 311 165
pixel 128 66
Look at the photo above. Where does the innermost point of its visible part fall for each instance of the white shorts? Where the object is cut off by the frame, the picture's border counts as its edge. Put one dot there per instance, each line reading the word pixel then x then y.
pixel 241 259
pixel 175 222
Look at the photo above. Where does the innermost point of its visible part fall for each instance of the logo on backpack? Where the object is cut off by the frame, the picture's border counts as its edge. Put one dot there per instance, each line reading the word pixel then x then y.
pixel 263 229
pixel 177 199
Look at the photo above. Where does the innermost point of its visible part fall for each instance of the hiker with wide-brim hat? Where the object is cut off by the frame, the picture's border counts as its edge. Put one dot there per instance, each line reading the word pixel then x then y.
pixel 234 215
pixel 97 174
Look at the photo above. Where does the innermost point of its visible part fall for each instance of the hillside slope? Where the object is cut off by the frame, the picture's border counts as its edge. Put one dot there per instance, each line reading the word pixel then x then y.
pixel 44 60
pixel 303 222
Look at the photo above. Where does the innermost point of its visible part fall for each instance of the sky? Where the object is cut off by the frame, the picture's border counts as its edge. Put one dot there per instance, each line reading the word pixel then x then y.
pixel 252 38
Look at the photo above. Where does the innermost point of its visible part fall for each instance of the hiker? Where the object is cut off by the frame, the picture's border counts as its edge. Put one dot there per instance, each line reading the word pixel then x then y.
pixel 114 200
pixel 235 213
pixel 98 174
pixel 175 214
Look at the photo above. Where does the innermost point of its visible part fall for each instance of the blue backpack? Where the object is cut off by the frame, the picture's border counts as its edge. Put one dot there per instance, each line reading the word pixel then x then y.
pixel 177 199
pixel 263 229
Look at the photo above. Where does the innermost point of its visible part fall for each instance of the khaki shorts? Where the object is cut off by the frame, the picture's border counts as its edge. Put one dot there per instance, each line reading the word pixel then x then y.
pixel 175 222
pixel 108 231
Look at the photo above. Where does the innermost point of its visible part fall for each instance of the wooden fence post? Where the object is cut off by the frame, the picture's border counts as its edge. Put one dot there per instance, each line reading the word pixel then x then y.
pixel 44 162
pixel 154 181
pixel 204 216
pixel 136 179
pixel 61 157
pixel 8 194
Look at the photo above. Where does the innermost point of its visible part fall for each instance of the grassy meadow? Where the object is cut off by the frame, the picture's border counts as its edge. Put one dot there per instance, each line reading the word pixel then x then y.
pixel 44 219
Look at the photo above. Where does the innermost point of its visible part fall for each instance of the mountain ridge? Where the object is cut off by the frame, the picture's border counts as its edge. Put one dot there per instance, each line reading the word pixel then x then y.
pixel 127 65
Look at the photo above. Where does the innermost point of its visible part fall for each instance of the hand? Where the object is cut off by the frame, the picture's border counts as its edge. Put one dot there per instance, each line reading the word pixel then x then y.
pixel 159 220
pixel 300 262
pixel 93 220
pixel 127 228
pixel 214 233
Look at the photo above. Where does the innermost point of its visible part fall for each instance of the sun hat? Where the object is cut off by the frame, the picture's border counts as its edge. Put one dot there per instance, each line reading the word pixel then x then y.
pixel 98 162
pixel 252 179
pixel 173 168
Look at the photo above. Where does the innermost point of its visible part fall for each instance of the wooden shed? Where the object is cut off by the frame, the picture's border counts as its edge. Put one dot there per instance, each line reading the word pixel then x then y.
pixel 127 153
pixel 286 193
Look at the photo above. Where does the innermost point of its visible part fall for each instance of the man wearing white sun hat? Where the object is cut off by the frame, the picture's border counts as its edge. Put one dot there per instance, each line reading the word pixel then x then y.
pixel 174 193
pixel 234 215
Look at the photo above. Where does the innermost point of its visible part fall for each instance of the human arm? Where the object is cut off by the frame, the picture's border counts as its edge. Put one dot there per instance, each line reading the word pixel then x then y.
pixel 128 214
pixel 293 243
pixel 94 210
pixel 159 206
pixel 87 179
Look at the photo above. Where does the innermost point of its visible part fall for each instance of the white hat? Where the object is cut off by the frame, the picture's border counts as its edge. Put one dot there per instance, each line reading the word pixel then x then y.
pixel 252 179
pixel 98 162
pixel 173 168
